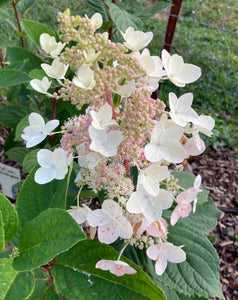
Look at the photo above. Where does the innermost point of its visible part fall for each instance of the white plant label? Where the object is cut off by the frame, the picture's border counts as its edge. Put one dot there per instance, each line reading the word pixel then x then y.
pixel 8 177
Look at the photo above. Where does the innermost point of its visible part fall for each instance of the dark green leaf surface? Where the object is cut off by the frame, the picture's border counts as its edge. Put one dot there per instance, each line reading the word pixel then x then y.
pixel 98 6
pixel 10 77
pixel 17 154
pixel 22 286
pixel 19 56
pixel 11 115
pixel 7 276
pixel 35 198
pixel 4 2
pixel 24 5
pixel 123 19
pixel 34 29
pixel 84 256
pixel 30 161
pixel 10 218
pixel 2 234
pixel 52 232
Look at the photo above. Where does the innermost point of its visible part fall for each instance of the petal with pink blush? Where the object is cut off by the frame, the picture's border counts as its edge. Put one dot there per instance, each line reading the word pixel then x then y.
pixel 160 265
pixel 107 234
pixel 116 267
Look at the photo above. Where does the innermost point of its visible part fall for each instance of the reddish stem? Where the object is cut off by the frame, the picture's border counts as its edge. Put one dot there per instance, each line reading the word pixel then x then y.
pixel 109 101
pixel 14 4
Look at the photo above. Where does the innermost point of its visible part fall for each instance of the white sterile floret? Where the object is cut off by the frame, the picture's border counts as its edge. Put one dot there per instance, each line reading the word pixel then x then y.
pixel 91 55
pixel 165 144
pixel 105 142
pixel 57 70
pixel 127 89
pixel 150 178
pixel 110 221
pixel 151 207
pixel 163 253
pixel 96 20
pixel 50 46
pixel 41 86
pixel 54 165
pixel 37 131
pixel 85 77
pixel 79 213
pixel 152 65
pixel 181 111
pixel 194 146
pixel 179 72
pixel 136 40
pixel 103 118
pixel 86 161
pixel 204 124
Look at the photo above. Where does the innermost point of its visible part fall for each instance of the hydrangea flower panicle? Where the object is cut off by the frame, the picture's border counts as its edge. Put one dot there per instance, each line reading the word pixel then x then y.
pixel 37 131
pixel 163 253
pixel 116 267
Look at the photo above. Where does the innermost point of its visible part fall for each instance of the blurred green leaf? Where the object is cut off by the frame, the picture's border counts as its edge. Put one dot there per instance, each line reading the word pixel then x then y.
pixel 11 115
pixel 150 11
pixel 123 19
pixel 10 77
pixel 34 30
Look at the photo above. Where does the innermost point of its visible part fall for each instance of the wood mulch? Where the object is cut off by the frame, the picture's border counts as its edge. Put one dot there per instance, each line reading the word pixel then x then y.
pixel 219 171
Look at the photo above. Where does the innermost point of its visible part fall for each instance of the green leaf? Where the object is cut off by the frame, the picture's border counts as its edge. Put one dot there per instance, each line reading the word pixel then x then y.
pixel 35 29
pixel 50 233
pixel 134 174
pixel 10 77
pixel 52 194
pixel 22 286
pixel 11 115
pixel 24 5
pixel 4 2
pixel 116 100
pixel 123 19
pixel 7 276
pixel 78 285
pixel 30 161
pixel 41 285
pixel 2 234
pixel 172 295
pixel 20 126
pixel 186 180
pixel 98 6
pixel 17 154
pixel 199 274
pixel 37 74
pixel 212 238
pixel 10 218
pixel 150 11
pixel 51 294
pixel 4 43
pixel 90 253
pixel 22 59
